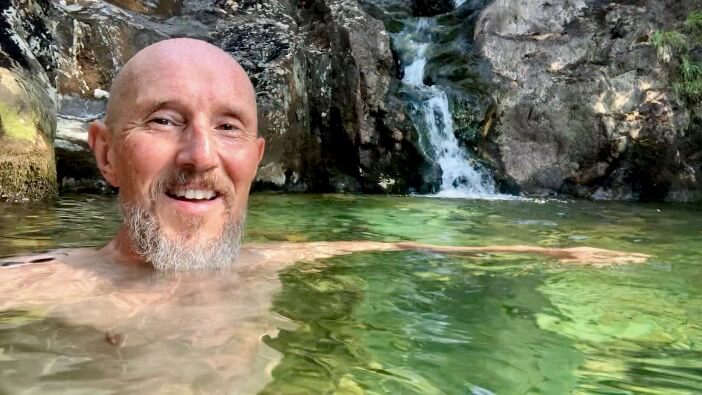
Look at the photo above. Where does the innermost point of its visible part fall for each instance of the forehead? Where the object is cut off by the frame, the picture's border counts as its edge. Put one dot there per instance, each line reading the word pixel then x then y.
pixel 213 83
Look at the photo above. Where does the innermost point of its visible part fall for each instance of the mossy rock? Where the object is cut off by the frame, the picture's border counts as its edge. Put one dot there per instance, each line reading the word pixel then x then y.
pixel 27 129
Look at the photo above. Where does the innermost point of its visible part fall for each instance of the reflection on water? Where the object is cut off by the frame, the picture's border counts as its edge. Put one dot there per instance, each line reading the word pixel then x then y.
pixel 375 322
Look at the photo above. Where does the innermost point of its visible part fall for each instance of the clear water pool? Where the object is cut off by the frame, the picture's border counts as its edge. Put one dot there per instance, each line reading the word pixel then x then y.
pixel 391 322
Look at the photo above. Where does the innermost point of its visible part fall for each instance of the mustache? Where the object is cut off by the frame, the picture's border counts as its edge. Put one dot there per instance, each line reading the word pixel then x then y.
pixel 177 178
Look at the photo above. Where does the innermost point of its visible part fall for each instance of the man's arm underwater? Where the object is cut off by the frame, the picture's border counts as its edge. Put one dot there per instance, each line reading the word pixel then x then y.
pixel 286 253
pixel 277 255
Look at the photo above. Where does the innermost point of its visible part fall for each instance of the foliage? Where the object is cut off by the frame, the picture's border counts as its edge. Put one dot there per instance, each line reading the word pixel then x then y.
pixel 678 48
pixel 694 21
pixel 668 42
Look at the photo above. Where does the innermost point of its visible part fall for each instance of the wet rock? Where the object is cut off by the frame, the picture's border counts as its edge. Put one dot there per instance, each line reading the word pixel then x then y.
pixel 27 109
pixel 76 167
pixel 585 107
pixel 27 126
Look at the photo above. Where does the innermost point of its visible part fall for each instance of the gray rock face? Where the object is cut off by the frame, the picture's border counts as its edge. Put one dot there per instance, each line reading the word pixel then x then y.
pixel 323 73
pixel 585 106
pixel 556 96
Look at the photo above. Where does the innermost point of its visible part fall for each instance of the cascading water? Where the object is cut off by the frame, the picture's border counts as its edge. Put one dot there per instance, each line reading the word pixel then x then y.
pixel 462 176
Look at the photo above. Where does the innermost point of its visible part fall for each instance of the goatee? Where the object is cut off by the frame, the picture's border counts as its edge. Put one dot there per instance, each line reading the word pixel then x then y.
pixel 180 254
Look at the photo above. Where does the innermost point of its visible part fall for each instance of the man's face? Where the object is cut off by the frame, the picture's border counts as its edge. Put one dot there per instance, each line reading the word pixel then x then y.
pixel 185 147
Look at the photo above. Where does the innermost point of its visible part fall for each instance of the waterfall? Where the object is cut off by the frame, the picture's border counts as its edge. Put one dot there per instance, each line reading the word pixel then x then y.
pixel 462 176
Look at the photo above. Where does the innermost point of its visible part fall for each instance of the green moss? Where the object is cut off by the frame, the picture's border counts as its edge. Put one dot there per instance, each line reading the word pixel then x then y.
pixel 14 125
pixel 27 170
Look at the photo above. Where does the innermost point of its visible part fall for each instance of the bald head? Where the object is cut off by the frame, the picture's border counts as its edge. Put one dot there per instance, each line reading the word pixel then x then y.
pixel 182 60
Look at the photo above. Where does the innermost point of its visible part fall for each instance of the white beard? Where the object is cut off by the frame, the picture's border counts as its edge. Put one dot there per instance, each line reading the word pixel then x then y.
pixel 178 255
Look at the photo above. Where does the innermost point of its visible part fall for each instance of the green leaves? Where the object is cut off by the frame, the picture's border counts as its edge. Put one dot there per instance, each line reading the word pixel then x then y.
pixel 690 69
pixel 677 47
pixel 693 22
pixel 668 42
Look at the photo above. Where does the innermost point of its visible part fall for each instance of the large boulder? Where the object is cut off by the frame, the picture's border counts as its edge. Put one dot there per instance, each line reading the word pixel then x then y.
pixel 585 107
pixel 27 126
pixel 27 108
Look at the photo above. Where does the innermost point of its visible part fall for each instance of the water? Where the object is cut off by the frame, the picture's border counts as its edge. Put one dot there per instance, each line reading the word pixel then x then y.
pixel 462 176
pixel 411 323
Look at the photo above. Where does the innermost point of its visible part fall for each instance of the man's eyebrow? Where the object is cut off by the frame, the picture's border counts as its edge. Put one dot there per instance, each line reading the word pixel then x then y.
pixel 236 114
pixel 227 111
pixel 161 104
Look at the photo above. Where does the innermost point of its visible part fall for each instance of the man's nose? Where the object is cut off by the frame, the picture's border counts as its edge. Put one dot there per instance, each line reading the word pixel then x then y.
pixel 197 148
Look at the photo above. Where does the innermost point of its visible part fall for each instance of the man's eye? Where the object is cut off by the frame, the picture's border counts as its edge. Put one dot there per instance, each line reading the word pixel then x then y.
pixel 162 121
pixel 227 127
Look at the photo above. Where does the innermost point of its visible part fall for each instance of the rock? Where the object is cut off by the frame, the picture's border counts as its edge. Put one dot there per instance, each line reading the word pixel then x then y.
pixel 322 72
pixel 27 109
pixel 585 107
pixel 432 7
pixel 27 126
pixel 557 97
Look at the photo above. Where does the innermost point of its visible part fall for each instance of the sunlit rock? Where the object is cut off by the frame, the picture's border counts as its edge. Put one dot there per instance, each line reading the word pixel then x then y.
pixel 27 108
pixel 584 106
pixel 27 126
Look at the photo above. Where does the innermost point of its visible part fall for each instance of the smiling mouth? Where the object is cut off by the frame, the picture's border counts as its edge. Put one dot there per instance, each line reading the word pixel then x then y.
pixel 193 195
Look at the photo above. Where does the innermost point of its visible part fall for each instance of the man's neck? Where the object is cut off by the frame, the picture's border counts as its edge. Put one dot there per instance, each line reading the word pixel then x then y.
pixel 121 250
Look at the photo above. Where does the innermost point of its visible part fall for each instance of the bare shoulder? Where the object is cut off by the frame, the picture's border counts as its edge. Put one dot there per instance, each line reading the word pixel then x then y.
pixel 26 260
pixel 44 279
pixel 54 257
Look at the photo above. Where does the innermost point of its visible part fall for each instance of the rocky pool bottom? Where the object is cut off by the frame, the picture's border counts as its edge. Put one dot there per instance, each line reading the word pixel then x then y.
pixel 386 322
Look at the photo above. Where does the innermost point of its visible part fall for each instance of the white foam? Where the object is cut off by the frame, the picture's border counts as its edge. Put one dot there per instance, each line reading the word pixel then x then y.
pixel 462 176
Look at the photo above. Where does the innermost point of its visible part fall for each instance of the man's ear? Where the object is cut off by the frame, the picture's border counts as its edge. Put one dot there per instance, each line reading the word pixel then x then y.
pixel 100 142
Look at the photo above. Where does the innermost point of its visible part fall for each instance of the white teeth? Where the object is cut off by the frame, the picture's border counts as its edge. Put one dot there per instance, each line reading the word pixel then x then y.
pixel 195 194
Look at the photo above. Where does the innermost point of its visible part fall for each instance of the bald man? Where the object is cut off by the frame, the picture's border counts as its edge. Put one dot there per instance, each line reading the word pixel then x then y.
pixel 180 142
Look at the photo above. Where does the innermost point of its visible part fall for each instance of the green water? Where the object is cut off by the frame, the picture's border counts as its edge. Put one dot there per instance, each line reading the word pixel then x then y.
pixel 429 323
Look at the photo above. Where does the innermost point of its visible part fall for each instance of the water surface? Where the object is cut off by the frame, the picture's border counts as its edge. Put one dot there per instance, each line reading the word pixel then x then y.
pixel 404 322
